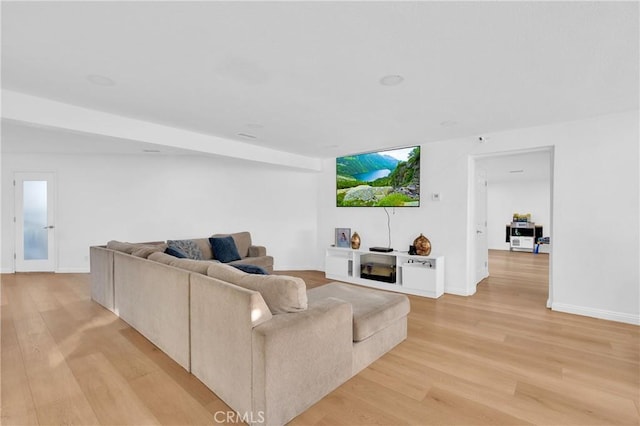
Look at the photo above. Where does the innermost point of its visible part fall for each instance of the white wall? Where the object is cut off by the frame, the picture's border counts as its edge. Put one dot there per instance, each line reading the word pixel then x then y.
pixel 443 170
pixel 594 268
pixel 507 197
pixel 149 197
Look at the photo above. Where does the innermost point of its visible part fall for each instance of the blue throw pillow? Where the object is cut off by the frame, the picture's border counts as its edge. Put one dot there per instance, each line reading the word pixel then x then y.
pixel 224 249
pixel 175 252
pixel 251 269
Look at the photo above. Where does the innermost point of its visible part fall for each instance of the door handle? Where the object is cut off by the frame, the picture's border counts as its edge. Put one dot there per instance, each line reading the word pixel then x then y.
pixel 49 227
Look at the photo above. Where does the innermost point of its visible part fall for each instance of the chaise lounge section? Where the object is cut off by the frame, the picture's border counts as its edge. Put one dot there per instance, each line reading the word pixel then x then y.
pixel 263 343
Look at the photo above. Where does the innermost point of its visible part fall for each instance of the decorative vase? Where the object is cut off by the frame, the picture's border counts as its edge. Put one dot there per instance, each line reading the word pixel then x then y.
pixel 422 245
pixel 355 241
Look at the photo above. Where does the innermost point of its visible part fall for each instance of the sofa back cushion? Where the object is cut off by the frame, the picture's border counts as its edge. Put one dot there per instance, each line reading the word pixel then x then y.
pixel 122 246
pixel 199 266
pixel 144 250
pixel 161 257
pixel 205 247
pixel 281 293
pixel 242 240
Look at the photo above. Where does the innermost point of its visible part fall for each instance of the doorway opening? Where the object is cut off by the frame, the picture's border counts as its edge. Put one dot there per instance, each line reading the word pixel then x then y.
pixel 516 182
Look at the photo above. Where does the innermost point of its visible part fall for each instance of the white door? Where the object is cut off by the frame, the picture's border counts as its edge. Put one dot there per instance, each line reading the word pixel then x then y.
pixel 481 243
pixel 34 219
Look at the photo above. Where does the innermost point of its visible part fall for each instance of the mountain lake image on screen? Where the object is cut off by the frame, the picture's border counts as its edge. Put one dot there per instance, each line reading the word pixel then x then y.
pixel 389 178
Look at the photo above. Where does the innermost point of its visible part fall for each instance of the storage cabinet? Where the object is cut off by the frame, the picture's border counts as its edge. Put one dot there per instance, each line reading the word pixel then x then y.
pixel 340 264
pixel 394 271
pixel 523 235
pixel 426 276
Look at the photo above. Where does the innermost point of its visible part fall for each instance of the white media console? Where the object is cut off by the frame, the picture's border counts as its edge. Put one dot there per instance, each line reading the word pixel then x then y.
pixel 394 271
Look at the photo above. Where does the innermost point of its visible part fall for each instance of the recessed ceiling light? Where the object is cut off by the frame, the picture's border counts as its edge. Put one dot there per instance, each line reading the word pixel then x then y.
pixel 516 171
pixel 100 80
pixel 248 136
pixel 391 80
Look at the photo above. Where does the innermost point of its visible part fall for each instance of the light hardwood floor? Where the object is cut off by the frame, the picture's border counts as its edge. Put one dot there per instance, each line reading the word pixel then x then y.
pixel 498 357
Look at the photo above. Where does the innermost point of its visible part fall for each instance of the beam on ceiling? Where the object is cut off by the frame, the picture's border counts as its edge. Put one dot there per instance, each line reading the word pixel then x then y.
pixel 45 112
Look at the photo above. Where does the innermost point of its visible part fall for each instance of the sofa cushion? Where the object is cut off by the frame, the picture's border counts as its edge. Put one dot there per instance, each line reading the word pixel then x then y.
pixel 225 273
pixel 205 247
pixel 199 266
pixel 161 257
pixel 146 249
pixel 224 249
pixel 188 247
pixel 281 293
pixel 122 246
pixel 373 310
pixel 250 269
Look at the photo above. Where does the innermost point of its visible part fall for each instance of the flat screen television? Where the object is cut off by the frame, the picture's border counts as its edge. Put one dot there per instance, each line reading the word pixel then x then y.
pixel 389 178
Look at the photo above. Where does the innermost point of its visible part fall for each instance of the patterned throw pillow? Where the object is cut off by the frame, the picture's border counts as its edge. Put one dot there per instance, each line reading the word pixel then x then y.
pixel 188 247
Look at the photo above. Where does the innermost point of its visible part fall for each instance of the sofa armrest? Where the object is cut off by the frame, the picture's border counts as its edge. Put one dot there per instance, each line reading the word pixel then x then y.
pixel 299 358
pixel 102 276
pixel 257 251
pixel 222 318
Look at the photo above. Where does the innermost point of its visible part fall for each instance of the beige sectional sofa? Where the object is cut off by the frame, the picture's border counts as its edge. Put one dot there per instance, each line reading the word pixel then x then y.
pixel 263 343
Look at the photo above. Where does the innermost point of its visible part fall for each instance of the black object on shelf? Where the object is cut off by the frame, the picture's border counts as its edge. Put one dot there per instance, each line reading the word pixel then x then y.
pixel 381 249
pixel 534 231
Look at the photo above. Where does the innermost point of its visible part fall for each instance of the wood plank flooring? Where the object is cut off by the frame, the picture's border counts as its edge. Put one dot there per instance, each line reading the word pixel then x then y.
pixel 498 357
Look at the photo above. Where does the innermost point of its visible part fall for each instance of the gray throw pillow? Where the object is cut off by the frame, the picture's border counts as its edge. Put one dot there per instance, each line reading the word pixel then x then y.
pixel 188 247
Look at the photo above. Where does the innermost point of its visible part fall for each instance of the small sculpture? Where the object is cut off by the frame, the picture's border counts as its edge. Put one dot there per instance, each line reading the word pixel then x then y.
pixel 422 245
pixel 355 241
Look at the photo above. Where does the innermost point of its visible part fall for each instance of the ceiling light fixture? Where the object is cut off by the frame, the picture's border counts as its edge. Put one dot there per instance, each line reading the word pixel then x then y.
pixel 391 80
pixel 100 80
pixel 516 171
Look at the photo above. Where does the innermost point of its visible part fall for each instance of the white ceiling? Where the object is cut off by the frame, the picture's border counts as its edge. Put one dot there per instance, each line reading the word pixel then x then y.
pixel 303 77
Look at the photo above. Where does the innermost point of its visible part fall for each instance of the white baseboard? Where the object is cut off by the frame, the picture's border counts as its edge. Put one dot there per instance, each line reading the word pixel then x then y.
pixel 458 291
pixel 58 271
pixel 72 271
pixel 597 313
